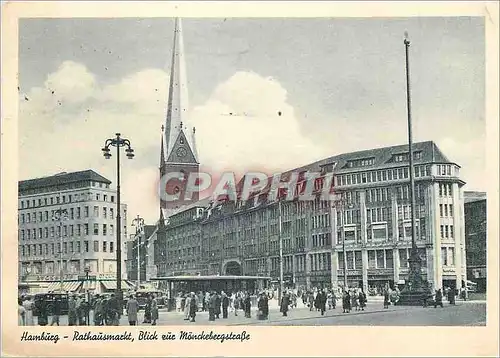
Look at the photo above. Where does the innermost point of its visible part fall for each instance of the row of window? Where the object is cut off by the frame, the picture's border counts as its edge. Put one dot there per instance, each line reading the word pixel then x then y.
pixel 445 190
pixel 65 231
pixel 63 199
pixel 68 247
pixel 447 232
pixel 445 210
pixel 381 175
pixel 71 213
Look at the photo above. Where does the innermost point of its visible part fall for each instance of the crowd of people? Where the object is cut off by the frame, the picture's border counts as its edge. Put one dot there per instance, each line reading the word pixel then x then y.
pixel 108 311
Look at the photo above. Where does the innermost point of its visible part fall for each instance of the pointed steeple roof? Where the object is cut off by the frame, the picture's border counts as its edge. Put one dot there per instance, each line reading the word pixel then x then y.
pixel 162 150
pixel 193 141
pixel 177 104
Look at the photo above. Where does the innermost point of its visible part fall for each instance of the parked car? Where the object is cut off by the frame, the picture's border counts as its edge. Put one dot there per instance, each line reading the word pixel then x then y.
pixel 49 299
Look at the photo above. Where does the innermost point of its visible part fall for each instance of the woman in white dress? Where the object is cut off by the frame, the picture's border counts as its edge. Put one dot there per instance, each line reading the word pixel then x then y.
pixel 21 313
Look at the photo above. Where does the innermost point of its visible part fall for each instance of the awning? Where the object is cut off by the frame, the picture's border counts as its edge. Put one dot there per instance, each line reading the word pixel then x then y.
pixel 111 285
pixel 71 286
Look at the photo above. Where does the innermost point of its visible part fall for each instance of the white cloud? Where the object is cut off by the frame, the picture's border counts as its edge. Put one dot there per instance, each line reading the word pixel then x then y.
pixel 67 128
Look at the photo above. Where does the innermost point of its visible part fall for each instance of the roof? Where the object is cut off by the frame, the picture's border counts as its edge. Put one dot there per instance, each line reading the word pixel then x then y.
pixel 473 196
pixel 62 178
pixel 149 230
pixel 383 157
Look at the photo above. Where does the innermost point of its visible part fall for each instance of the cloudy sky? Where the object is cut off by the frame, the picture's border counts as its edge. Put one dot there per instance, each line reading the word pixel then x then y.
pixel 338 83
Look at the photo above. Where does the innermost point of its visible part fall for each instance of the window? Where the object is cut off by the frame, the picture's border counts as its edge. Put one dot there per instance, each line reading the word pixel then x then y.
pixel 403 257
pixel 104 212
pixel 104 229
pixel 78 212
pixel 65 247
pixel 96 246
pixel 86 246
pixel 442 231
pixel 111 230
pixel 446 231
pixel 86 211
pixel 451 209
pixel 85 229
pixel 52 249
pixel 451 231
pixel 452 256
pixel 441 210
pixel 65 230
pixel 40 216
pixel 22 234
pixel 111 248
pixel 72 213
pixel 389 262
pixel 22 218
pixel 445 210
pixel 371 259
pixel 97 197
pixel 104 246
pixel 96 211
pixel 444 256
pixel 350 260
pixel 28 217
pixel 71 232
pixel 46 214
pixel 380 259
pixel 112 198
pixel 111 213
pixel 52 232
pixel 78 229
pixel 78 246
pixel 104 197
pixel 96 229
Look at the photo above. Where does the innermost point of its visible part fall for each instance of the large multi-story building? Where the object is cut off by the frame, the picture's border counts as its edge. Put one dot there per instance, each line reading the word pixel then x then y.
pixel 475 238
pixel 84 237
pixel 244 237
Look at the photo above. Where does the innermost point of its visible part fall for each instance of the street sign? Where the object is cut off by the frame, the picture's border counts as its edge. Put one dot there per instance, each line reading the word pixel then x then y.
pixel 84 278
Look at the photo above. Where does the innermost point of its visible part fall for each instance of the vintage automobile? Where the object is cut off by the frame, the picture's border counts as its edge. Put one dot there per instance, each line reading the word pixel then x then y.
pixel 48 299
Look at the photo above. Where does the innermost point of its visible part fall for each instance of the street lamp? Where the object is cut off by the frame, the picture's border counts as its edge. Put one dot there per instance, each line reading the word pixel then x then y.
pixel 118 142
pixel 414 292
pixel 60 215
pixel 138 222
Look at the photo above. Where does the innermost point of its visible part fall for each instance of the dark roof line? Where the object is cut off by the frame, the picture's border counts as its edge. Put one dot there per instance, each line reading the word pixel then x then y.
pixel 62 178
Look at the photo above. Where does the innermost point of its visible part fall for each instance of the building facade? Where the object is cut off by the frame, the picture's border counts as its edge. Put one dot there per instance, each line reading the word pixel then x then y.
pixel 244 237
pixel 84 238
pixel 475 238
pixel 140 253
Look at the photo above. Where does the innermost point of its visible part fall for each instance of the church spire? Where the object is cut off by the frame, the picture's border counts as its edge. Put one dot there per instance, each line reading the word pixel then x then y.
pixel 162 150
pixel 193 140
pixel 177 91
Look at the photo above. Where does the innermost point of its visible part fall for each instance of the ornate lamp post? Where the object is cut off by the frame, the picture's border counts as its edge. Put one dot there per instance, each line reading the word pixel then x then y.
pixel 118 142
pixel 138 222
pixel 60 215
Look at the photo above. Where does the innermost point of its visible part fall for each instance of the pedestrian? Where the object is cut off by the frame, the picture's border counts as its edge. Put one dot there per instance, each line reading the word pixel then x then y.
pixel 310 299
pixel 187 307
pixel 362 300
pixel 56 311
pixel 211 307
pixel 72 311
pixel 438 300
pixel 354 300
pixel 193 307
pixel 386 298
pixel 132 309
pixel 218 303
pixel 154 310
pixel 21 312
pixel 225 304
pixel 236 303
pixel 247 304
pixel 321 301
pixel 43 314
pixel 263 306
pixel 28 305
pixel 346 302
pixel 451 296
pixel 113 307
pixel 82 310
pixel 98 310
pixel 285 302
pixel 147 310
